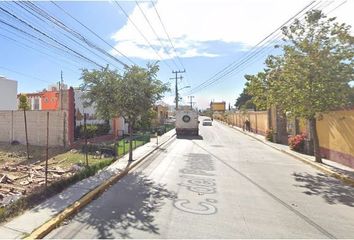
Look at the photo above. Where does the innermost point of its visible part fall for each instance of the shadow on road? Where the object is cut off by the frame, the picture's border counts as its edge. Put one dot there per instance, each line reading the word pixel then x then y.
pixel 329 188
pixel 128 205
pixel 190 137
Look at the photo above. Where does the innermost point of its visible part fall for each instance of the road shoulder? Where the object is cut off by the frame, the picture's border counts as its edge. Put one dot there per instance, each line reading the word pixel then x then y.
pixel 329 167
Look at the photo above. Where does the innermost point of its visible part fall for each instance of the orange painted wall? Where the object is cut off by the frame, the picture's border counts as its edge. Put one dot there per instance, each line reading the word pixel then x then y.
pixel 50 100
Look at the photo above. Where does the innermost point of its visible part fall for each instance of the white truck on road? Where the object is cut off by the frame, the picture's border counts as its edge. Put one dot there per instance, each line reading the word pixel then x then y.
pixel 187 122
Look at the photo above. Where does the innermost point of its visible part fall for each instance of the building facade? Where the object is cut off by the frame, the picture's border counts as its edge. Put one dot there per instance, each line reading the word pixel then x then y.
pixel 218 106
pixel 8 93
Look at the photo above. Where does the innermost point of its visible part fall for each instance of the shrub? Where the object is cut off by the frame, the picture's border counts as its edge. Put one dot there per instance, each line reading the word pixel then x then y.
pixel 92 130
pixel 297 142
pixel 269 135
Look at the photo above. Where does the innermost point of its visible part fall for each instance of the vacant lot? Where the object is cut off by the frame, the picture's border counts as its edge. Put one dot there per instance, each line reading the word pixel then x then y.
pixel 20 176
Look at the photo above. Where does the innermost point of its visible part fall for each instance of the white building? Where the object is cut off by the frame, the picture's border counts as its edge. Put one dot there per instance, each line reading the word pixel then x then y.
pixel 118 125
pixel 80 110
pixel 8 94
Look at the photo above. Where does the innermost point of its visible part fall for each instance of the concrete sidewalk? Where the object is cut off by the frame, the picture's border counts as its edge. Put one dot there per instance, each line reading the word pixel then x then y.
pixel 32 219
pixel 336 169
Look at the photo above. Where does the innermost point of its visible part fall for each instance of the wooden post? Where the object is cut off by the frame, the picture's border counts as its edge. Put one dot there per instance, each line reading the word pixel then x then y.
pixel 85 131
pixel 24 115
pixel 117 147
pixel 46 153
pixel 123 146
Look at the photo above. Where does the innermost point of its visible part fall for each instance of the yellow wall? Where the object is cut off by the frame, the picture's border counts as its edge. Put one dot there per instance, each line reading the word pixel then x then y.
pixel 217 106
pixel 303 126
pixel 262 122
pixel 336 131
pixel 258 120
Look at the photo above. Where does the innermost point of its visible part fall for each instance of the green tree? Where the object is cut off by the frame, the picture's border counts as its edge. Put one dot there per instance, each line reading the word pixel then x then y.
pixel 145 120
pixel 313 74
pixel 23 105
pixel 245 99
pixel 129 95
pixel 351 97
pixel 257 87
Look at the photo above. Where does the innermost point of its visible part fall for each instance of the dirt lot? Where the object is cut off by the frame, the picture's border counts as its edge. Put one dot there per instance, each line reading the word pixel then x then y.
pixel 19 176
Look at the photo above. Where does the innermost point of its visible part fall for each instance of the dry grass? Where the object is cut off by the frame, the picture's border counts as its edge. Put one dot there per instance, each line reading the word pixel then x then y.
pixel 16 154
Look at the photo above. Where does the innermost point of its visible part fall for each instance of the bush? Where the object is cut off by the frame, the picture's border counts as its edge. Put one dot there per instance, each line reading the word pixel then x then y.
pixel 269 135
pixel 297 142
pixel 92 130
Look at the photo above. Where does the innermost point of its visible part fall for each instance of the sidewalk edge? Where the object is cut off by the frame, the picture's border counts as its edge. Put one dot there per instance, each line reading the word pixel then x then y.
pixel 51 224
pixel 344 178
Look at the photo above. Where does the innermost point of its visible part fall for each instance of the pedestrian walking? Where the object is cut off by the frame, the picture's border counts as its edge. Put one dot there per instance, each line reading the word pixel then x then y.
pixel 248 125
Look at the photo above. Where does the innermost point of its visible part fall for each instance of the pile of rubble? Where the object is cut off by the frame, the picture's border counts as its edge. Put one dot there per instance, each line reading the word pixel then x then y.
pixel 19 180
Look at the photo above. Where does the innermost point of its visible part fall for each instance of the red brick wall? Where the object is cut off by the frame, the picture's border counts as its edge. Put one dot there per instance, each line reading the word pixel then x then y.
pixel 71 117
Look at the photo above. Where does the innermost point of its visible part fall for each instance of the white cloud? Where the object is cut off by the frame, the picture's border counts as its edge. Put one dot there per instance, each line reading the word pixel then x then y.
pixel 193 23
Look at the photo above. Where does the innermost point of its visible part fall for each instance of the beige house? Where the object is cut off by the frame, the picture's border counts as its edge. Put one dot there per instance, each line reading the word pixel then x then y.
pixel 161 110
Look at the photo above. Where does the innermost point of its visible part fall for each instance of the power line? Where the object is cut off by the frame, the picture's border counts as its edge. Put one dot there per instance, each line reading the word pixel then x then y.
pixel 245 56
pixel 21 44
pixel 65 34
pixel 245 61
pixel 40 43
pixel 24 74
pixel 71 31
pixel 236 64
pixel 33 36
pixel 147 40
pixel 126 57
pixel 43 45
pixel 46 35
pixel 156 35
pixel 168 36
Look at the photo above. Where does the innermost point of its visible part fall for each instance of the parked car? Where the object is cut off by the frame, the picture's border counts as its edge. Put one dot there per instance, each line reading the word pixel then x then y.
pixel 207 122
pixel 171 119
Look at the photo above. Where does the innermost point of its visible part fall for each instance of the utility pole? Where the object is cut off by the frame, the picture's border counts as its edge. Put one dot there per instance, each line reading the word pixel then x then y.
pixel 177 94
pixel 191 101
pixel 176 86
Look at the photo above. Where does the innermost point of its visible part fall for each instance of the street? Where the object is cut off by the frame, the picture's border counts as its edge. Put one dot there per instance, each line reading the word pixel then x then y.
pixel 222 184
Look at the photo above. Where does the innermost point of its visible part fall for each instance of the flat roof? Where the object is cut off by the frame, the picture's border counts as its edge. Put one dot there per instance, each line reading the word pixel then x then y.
pixel 6 79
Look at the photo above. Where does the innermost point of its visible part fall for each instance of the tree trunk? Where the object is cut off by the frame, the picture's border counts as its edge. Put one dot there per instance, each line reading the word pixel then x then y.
pixel 130 141
pixel 24 115
pixel 316 144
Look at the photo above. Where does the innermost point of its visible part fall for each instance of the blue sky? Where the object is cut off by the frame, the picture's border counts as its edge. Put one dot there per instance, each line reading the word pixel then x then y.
pixel 207 35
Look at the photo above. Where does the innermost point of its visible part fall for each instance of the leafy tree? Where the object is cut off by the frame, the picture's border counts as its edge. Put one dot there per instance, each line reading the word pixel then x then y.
pixel 313 74
pixel 245 99
pixel 144 121
pixel 23 105
pixel 351 97
pixel 129 95
pixel 257 87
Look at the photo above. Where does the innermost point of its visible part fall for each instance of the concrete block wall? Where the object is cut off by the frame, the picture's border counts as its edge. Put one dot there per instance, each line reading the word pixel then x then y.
pixel 12 127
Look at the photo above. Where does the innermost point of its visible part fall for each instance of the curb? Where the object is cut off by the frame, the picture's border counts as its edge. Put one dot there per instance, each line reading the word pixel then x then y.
pixel 53 223
pixel 344 178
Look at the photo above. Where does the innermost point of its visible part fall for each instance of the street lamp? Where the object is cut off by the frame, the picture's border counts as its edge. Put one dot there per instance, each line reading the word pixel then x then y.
pixel 184 88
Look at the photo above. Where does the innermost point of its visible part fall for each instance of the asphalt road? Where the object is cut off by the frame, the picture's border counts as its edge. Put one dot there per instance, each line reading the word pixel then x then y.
pixel 223 184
